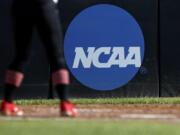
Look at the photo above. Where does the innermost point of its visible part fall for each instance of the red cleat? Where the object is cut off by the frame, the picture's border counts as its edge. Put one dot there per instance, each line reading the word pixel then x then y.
pixel 10 109
pixel 68 109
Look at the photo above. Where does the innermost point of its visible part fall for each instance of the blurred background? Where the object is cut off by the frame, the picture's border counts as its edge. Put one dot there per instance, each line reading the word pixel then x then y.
pixel 160 72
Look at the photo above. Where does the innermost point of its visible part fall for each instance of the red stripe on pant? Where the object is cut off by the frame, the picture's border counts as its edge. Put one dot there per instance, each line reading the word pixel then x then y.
pixel 14 78
pixel 61 77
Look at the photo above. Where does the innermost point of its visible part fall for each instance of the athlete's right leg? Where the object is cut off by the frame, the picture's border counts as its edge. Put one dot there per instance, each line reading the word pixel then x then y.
pixel 50 31
pixel 23 26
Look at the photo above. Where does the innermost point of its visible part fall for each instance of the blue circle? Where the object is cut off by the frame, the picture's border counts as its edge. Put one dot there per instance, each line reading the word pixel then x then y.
pixel 102 26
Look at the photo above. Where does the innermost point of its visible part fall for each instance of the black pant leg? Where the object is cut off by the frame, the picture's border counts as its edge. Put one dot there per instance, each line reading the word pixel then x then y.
pixel 50 31
pixel 22 29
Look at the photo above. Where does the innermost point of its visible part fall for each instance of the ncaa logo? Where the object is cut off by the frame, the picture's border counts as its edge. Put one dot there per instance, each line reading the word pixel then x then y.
pixel 104 47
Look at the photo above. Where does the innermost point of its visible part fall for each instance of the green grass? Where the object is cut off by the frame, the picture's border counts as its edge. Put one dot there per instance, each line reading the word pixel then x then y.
pixel 85 127
pixel 105 101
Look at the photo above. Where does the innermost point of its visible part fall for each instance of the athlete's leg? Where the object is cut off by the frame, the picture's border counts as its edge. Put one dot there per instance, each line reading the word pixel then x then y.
pixel 50 30
pixel 22 25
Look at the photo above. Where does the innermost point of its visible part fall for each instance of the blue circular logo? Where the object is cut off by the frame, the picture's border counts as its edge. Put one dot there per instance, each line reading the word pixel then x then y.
pixel 104 47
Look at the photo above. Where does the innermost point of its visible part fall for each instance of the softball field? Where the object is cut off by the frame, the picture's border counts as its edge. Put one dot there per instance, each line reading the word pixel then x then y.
pixel 124 116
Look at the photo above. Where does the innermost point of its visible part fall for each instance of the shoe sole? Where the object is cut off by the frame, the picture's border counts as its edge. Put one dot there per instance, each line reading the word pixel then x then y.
pixel 9 114
pixel 68 114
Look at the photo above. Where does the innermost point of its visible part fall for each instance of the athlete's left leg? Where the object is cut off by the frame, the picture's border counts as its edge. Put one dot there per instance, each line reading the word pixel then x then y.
pixel 22 29
pixel 50 31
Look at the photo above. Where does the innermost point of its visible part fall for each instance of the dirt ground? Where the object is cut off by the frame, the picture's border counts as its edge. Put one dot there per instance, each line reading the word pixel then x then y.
pixel 138 111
